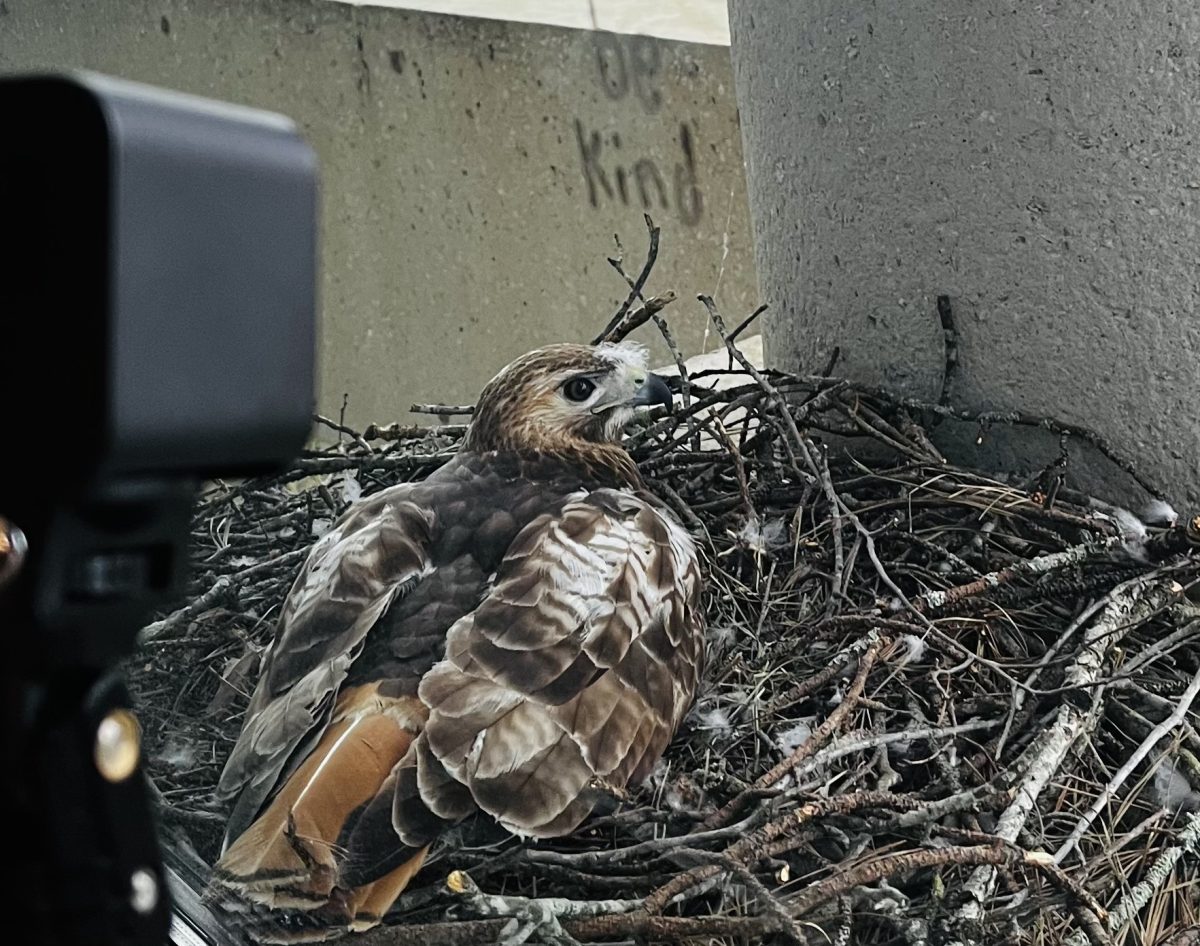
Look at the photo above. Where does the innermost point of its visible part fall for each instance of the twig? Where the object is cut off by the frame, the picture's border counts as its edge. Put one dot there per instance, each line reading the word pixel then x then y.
pixel 1114 785
pixel 1042 565
pixel 222 590
pixel 906 862
pixel 636 318
pixel 448 410
pixel 747 322
pixel 756 846
pixel 398 431
pixel 805 688
pixel 529 915
pixel 1139 895
pixel 635 286
pixel 341 428
pixel 1122 612
pixel 794 442
pixel 818 738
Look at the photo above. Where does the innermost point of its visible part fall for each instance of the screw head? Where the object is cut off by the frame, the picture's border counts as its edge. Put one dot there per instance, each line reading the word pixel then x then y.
pixel 13 548
pixel 143 891
pixel 118 745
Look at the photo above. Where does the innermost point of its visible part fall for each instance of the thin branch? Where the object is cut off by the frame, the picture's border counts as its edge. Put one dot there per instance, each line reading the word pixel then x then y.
pixel 1182 708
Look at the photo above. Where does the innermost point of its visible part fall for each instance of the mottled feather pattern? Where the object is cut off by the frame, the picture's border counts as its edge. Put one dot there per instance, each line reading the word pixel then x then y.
pixel 523 705
pixel 511 635
pixel 348 581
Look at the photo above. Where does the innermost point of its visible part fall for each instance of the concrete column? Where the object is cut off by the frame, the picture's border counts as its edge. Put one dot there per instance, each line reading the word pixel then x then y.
pixel 1037 164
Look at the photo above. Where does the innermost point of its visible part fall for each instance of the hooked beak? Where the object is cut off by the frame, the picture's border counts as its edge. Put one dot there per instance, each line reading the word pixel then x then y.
pixel 654 390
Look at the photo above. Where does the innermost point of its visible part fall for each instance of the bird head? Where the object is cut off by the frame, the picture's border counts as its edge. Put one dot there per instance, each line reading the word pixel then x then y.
pixel 564 397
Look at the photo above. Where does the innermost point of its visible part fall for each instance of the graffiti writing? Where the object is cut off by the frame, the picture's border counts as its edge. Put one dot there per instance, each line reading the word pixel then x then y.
pixel 630 66
pixel 612 177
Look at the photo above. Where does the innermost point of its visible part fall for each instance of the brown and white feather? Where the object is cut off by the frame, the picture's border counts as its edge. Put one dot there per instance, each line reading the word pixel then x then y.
pixel 513 635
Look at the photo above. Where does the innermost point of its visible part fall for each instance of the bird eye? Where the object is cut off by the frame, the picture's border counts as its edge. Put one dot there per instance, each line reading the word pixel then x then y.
pixel 578 389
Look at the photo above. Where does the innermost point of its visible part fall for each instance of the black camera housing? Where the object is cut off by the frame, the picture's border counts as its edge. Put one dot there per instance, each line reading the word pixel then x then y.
pixel 158 266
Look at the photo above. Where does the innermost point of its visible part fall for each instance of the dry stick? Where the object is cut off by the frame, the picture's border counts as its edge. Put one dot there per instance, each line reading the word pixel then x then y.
pixel 448 933
pixel 757 844
pixel 1088 913
pixel 223 587
pixel 846 927
pixel 837 586
pixel 873 425
pixel 1118 618
pixel 635 292
pixel 806 687
pixel 671 929
pixel 1160 648
pixel 797 441
pixel 819 737
pixel 767 903
pixel 343 429
pixel 685 384
pixel 1012 418
pixel 635 285
pixel 399 431
pixel 1189 732
pixel 981 798
pixel 637 318
pixel 442 409
pixel 746 323
pixel 936 600
pixel 1115 783
pixel 848 746
pixel 1185 760
pixel 222 590
pixel 585 859
pixel 1086 908
pixel 485 904
pixel 915 432
pixel 821 383
pixel 1188 936
pixel 930 627
pixel 585 929
pixel 306 466
pixel 906 862
pixel 1137 897
pixel 745 396
pixel 739 466
pixel 1019 694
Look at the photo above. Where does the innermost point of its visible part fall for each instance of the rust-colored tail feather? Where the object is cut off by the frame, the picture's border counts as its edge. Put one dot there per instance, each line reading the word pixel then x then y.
pixel 286 870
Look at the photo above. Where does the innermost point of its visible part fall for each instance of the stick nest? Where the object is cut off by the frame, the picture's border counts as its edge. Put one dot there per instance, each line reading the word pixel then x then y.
pixel 940 706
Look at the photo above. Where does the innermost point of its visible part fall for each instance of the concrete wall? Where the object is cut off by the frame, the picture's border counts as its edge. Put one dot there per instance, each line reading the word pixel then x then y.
pixel 1037 163
pixel 474 171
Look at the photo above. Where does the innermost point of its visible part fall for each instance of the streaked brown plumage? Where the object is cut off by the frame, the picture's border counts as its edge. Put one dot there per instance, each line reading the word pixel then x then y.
pixel 511 635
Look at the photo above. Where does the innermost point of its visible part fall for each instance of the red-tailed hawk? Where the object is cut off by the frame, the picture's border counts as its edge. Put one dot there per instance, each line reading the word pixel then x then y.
pixel 511 635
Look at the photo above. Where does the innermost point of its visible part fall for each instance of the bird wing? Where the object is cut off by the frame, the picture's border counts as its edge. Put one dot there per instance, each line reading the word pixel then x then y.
pixel 573 673
pixel 374 554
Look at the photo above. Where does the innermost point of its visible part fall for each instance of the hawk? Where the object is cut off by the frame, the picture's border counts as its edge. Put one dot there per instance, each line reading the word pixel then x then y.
pixel 514 635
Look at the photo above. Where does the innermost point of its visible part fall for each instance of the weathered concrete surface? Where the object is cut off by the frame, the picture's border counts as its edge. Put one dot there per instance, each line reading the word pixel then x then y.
pixel 474 172
pixel 1035 162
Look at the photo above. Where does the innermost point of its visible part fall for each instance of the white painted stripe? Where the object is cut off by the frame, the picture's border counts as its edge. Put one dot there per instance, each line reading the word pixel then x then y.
pixel 691 21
